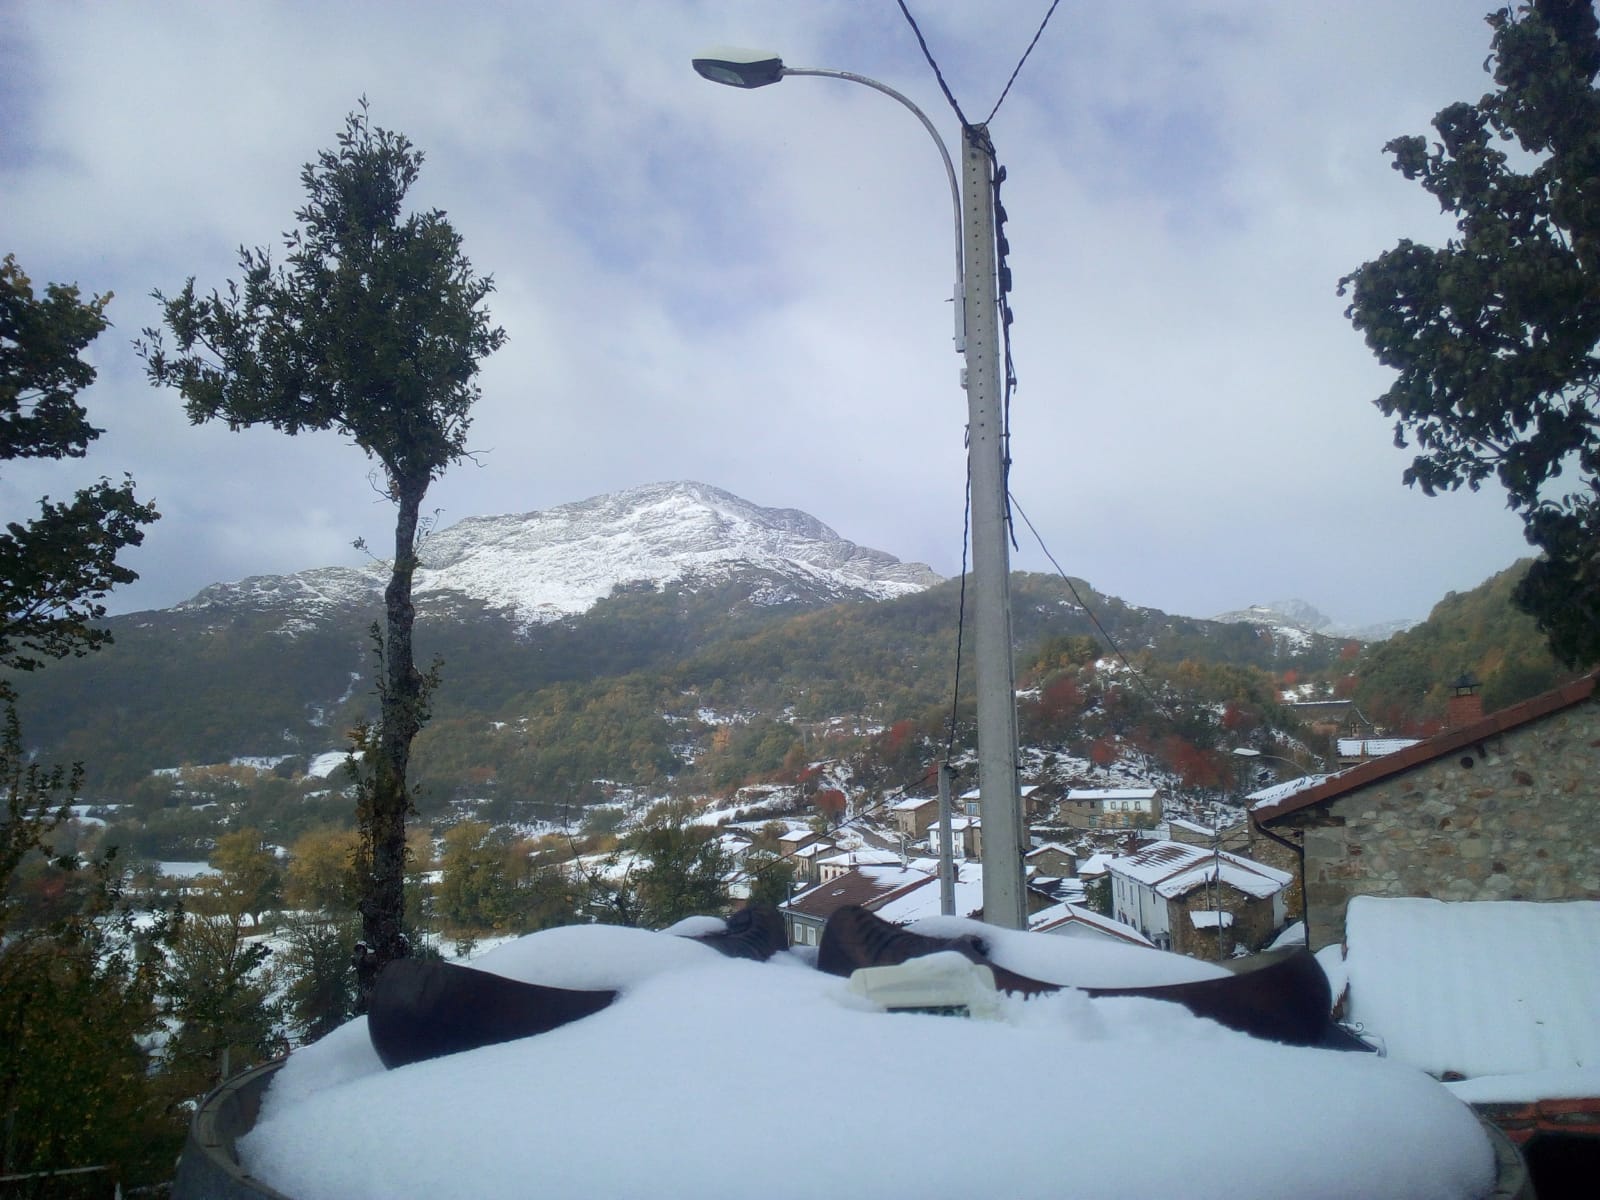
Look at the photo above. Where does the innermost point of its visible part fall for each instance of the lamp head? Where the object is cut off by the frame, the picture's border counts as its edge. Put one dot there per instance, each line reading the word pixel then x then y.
pixel 739 68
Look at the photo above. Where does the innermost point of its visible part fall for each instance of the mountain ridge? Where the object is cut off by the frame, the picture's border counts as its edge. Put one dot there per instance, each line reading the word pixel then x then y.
pixel 544 565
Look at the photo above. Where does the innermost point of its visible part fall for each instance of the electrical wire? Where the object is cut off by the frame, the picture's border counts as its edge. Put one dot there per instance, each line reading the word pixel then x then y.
pixel 937 74
pixel 1037 34
pixel 1138 676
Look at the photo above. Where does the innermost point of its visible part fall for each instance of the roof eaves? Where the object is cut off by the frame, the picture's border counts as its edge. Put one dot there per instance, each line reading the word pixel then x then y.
pixel 1433 748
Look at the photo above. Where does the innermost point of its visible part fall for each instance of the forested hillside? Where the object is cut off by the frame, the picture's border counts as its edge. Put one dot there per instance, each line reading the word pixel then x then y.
pixel 1403 683
pixel 693 690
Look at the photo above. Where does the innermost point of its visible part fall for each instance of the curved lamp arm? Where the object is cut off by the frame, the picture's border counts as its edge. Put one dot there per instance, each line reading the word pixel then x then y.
pixel 753 69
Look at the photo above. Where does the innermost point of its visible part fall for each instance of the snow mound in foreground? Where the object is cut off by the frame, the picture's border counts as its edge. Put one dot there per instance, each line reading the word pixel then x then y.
pixel 712 1077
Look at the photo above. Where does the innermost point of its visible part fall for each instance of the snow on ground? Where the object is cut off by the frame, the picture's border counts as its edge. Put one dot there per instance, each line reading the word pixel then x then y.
pixel 687 1086
pixel 325 765
pixel 1478 988
pixel 186 870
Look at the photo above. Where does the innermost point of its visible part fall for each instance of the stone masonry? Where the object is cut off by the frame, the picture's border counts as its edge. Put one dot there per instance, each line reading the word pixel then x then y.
pixel 1509 815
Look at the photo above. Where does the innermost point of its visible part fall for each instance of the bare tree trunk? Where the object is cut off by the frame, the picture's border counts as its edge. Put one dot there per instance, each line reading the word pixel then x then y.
pixel 385 799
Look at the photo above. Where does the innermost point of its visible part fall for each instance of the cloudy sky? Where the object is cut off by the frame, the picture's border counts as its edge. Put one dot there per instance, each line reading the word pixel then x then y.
pixel 750 289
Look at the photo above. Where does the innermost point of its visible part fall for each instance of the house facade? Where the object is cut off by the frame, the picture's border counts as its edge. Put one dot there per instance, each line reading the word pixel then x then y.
pixel 1110 808
pixel 1501 808
pixel 1198 901
pixel 915 815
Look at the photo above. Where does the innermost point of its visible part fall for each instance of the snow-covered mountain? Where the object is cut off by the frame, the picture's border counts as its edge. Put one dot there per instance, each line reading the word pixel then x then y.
pixel 1290 617
pixel 541 566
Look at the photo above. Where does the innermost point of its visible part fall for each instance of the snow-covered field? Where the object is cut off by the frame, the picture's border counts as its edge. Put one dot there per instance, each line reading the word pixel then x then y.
pixel 712 1077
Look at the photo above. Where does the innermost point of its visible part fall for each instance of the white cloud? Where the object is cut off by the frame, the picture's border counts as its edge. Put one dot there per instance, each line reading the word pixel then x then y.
pixel 751 288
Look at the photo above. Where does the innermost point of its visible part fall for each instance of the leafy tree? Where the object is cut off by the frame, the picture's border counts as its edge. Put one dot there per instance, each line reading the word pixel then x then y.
pixel 476 887
pixel 320 993
pixel 220 993
pixel 56 569
pixel 685 868
pixel 770 877
pixel 1097 895
pixel 249 880
pixel 1494 335
pixel 373 327
pixel 76 1000
pixel 321 870
pixel 36 803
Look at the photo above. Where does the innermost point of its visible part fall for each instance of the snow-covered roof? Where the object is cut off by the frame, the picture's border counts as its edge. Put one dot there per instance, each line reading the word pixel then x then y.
pixel 915 904
pixel 866 856
pixel 1097 863
pixel 1058 917
pixel 862 885
pixel 1112 794
pixel 1056 846
pixel 912 803
pixel 1210 919
pixel 1282 791
pixel 1479 988
pixel 490 1122
pixel 1175 868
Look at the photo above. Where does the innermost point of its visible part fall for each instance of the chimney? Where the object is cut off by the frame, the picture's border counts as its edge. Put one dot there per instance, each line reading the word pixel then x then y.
pixel 1466 705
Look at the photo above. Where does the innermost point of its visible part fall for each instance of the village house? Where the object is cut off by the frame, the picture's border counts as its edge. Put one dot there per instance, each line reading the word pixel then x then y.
pixel 1074 920
pixel 1193 833
pixel 805 914
pixel 966 838
pixel 805 861
pixel 971 802
pixel 896 892
pixel 831 866
pixel 914 816
pixel 791 841
pixel 1198 901
pixel 1498 807
pixel 1110 808
pixel 1353 752
pixel 1052 858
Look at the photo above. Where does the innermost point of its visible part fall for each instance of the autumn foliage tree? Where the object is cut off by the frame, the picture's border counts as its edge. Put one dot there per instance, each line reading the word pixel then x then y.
pixel 374 327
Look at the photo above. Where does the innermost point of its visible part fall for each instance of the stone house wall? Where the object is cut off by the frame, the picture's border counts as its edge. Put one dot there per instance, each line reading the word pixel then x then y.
pixel 1252 922
pixel 1263 849
pixel 1510 818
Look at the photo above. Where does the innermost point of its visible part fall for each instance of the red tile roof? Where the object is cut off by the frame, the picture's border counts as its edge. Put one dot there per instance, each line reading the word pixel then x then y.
pixel 1433 748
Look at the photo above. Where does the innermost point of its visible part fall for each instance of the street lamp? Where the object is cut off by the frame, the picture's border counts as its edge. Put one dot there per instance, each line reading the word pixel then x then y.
pixel 747 69
pixel 977 334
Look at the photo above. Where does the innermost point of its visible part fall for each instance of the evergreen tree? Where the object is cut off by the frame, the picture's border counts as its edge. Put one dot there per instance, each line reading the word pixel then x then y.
pixel 1494 335
pixel 373 327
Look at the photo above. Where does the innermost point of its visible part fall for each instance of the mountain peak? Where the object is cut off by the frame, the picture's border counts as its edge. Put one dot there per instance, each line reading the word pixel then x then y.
pixel 1300 616
pixel 543 565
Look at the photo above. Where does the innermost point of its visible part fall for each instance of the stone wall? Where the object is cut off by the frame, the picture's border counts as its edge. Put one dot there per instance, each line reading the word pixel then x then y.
pixel 1510 818
pixel 1252 922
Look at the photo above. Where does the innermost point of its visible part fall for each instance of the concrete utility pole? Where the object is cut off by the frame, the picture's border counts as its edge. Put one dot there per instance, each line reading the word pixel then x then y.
pixel 1004 831
pixel 1000 800
pixel 947 860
